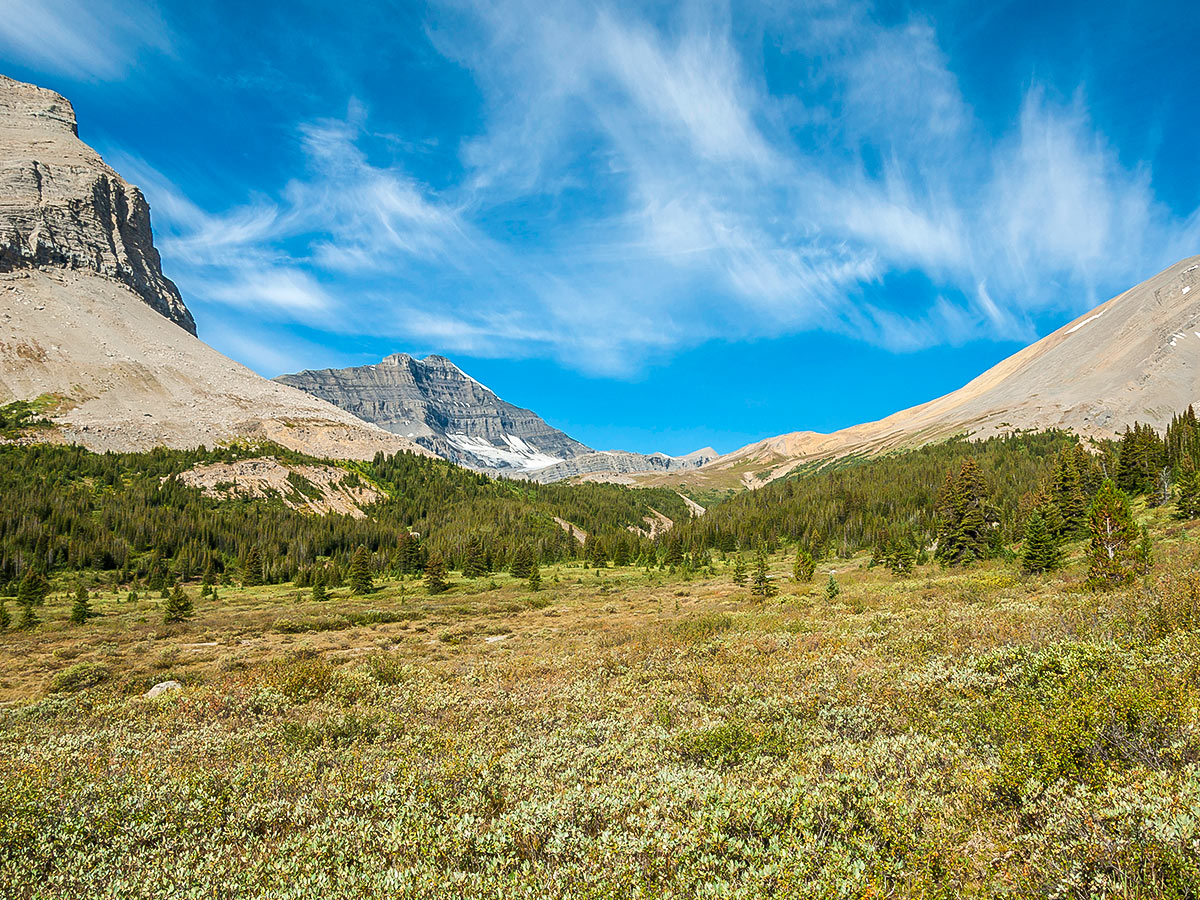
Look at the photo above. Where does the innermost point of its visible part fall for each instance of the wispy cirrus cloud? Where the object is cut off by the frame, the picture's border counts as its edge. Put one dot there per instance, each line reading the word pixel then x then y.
pixel 639 182
pixel 84 39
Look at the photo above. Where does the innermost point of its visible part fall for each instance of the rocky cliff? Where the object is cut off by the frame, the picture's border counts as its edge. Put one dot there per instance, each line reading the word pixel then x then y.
pixel 620 462
pixel 439 406
pixel 62 206
pixel 89 323
pixel 435 403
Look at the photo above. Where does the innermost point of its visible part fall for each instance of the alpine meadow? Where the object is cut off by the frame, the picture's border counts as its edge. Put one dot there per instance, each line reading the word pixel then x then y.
pixel 293 607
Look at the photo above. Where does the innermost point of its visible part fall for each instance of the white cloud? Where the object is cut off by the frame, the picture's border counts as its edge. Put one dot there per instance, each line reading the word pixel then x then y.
pixel 83 39
pixel 677 196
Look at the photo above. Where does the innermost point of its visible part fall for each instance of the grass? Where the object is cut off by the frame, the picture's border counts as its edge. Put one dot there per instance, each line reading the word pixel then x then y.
pixel 959 733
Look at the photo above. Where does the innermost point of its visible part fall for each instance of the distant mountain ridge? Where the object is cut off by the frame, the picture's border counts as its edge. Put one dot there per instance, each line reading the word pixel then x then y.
pixel 1135 357
pixel 439 406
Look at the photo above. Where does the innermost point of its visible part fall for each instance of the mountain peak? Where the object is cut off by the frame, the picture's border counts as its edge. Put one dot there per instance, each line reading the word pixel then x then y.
pixel 27 106
pixel 61 206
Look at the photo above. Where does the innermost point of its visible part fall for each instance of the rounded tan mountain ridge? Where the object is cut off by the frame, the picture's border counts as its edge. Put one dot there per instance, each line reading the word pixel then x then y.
pixel 1134 358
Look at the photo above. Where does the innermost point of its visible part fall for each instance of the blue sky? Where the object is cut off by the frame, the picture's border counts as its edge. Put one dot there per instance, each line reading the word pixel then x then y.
pixel 659 225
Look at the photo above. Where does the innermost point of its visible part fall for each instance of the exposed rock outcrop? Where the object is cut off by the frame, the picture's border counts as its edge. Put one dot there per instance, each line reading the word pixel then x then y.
pixel 620 462
pixel 439 406
pixel 62 206
pixel 87 315
pixel 317 489
pixel 435 403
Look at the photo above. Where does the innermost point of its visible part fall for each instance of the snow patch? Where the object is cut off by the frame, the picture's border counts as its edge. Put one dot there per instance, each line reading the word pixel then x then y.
pixel 1075 328
pixel 516 454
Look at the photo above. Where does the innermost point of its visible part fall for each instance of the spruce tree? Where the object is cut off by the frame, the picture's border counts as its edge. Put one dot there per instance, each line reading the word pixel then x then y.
pixel 1042 551
pixel 1144 552
pixel 761 585
pixel 360 572
pixel 30 593
pixel 5 618
pixel 435 575
pixel 966 518
pixel 1112 555
pixel 739 569
pixel 1069 498
pixel 475 563
pixel 178 606
pixel 318 585
pixel 1187 493
pixel 535 578
pixel 804 567
pixel 252 569
pixel 832 588
pixel 81 609
pixel 901 557
pixel 522 562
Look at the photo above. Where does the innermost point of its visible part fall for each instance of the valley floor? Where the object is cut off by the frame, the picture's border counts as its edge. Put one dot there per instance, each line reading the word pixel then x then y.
pixel 622 734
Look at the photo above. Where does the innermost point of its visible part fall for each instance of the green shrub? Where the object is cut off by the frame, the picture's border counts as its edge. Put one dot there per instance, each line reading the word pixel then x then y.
pixel 78 677
pixel 729 744
pixel 301 677
pixel 387 668
pixel 1082 714
pixel 699 628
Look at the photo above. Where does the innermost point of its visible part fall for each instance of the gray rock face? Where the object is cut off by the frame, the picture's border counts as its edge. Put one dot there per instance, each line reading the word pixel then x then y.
pixel 437 405
pixel 62 206
pixel 163 687
pixel 620 462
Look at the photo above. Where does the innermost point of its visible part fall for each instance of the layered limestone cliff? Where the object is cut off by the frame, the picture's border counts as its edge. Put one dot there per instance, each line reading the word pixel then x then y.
pixel 62 206
pixel 89 323
pixel 434 403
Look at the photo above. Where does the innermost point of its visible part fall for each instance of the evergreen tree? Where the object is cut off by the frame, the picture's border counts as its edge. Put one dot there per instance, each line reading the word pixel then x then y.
pixel 30 593
pixel 435 575
pixel 1042 550
pixel 178 606
pixel 5 618
pixel 360 572
pixel 252 568
pixel 674 557
pixel 901 557
pixel 1144 552
pixel 804 568
pixel 761 585
pixel 319 593
pixel 475 563
pixel 535 578
pixel 81 609
pixel 966 519
pixel 522 562
pixel 1187 487
pixel 832 588
pixel 1112 555
pixel 739 569
pixel 1067 493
